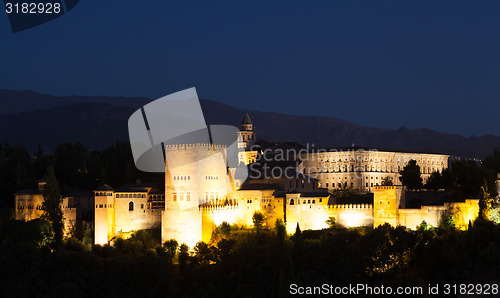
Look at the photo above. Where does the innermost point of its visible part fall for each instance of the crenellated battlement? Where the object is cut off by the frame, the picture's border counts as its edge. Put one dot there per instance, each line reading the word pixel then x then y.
pixel 384 187
pixel 197 146
pixel 351 206
pixel 213 208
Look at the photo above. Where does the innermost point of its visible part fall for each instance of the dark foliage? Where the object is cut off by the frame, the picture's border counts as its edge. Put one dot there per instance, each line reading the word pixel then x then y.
pixel 246 264
pixel 74 166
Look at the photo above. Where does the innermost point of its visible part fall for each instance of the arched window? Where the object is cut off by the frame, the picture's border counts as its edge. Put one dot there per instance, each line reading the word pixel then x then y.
pixel 131 206
pixel 292 202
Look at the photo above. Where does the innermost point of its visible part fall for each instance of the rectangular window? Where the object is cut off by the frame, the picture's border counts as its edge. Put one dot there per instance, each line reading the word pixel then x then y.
pixel 175 197
pixel 188 196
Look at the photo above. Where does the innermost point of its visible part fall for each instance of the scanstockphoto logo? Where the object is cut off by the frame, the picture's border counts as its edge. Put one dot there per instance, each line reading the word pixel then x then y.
pixel 31 13
pixel 171 132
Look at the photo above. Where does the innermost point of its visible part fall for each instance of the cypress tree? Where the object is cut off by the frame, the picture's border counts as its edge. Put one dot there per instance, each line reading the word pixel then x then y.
pixel 51 205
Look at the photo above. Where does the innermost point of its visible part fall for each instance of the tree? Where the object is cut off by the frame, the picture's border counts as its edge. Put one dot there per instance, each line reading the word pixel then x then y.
pixel 387 181
pixel 495 214
pixel 145 237
pixel 171 247
pixel 331 222
pixel 493 162
pixel 410 175
pixel 258 221
pixel 51 205
pixel 203 252
pixel 183 256
pixel 225 249
pixel 87 238
pixel 225 229
pixel 282 269
pixel 298 241
pixel 485 204
pixel 447 220
pixel 435 181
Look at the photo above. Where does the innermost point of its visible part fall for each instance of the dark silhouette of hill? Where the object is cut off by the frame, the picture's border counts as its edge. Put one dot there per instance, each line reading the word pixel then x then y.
pixel 21 101
pixel 33 119
pixel 96 125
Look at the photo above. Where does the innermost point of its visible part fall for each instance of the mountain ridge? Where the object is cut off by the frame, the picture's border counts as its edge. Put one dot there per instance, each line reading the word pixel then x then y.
pixel 31 119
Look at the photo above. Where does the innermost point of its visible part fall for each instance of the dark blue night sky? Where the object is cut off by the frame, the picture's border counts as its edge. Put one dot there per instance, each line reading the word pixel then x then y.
pixel 433 64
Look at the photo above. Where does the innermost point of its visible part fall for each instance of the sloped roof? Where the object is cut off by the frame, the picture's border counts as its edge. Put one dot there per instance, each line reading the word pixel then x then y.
pixel 104 187
pixel 246 119
pixel 358 148
pixel 353 199
pixel 27 192
pixel 260 186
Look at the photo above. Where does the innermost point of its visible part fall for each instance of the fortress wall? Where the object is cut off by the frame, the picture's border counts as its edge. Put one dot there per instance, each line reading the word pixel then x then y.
pixel 127 221
pixel 386 210
pixel 184 225
pixel 352 215
pixel 69 220
pixel 198 170
pixel 271 207
pixel 308 217
pixel 463 212
pixel 214 216
pixel 23 212
pixel 101 232
pixel 385 205
pixel 111 217
pixel 309 212
pixel 69 215
pixel 412 218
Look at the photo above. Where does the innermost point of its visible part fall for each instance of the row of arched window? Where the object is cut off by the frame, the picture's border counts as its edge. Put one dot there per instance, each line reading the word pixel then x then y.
pixel 181 196
pixel 131 196
pixel 29 207
pixel 131 206
pixel 304 202
pixel 102 194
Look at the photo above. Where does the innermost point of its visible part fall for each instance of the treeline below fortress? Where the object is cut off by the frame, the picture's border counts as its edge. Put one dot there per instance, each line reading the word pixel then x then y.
pixel 246 262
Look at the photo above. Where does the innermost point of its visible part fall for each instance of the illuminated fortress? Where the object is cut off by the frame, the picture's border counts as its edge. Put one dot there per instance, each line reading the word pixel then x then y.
pixel 200 192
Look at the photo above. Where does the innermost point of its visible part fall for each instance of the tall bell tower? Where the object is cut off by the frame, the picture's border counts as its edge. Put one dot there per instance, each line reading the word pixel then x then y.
pixel 246 136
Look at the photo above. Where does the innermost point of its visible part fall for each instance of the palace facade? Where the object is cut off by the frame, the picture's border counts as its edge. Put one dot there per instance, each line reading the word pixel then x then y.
pixel 200 191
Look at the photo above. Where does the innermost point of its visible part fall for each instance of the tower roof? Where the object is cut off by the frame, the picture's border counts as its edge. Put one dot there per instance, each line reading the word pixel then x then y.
pixel 246 119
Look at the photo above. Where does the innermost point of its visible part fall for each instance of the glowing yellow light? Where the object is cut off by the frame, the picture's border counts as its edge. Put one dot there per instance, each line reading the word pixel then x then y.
pixel 352 219
pixel 221 216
